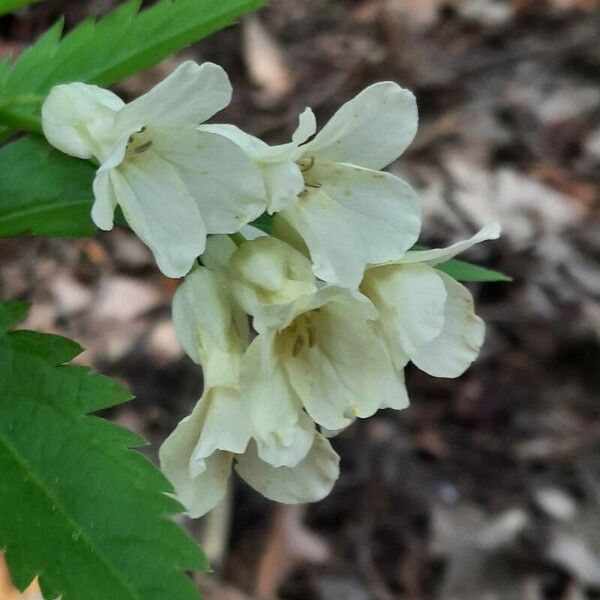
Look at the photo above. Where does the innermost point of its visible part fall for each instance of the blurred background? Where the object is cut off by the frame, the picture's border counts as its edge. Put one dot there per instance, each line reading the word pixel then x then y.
pixel 487 487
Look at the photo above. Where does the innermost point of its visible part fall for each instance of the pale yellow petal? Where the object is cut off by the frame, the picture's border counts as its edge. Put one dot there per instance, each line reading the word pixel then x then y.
pixel 458 344
pixel 267 275
pixel 207 327
pixel 199 491
pixel 309 481
pixel 78 119
pixel 435 256
pixel 281 428
pixel 410 300
pixel 371 130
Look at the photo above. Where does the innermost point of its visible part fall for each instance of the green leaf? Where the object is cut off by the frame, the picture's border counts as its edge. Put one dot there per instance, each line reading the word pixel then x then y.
pixel 464 271
pixel 106 51
pixel 8 6
pixel 43 191
pixel 264 223
pixel 78 507
pixel 12 313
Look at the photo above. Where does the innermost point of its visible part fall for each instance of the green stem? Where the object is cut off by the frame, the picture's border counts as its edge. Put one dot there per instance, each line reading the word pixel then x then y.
pixel 21 121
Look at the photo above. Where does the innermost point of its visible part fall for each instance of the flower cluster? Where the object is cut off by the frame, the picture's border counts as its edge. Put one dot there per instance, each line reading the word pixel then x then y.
pixel 300 332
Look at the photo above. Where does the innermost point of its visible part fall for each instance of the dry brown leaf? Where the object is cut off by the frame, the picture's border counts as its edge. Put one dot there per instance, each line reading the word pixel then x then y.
pixel 419 14
pixel 526 5
pixel 266 62
pixel 290 544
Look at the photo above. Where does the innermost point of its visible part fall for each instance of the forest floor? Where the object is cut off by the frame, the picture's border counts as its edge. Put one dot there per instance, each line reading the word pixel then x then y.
pixel 488 486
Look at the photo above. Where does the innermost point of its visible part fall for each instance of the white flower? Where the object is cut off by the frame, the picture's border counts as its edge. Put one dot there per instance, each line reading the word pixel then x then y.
pixel 198 456
pixel 282 176
pixel 210 327
pixel 425 315
pixel 316 348
pixel 330 190
pixel 173 182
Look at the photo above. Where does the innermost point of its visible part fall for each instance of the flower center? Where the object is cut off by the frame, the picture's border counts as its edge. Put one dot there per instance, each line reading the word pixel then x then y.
pixel 301 334
pixel 306 165
pixel 139 143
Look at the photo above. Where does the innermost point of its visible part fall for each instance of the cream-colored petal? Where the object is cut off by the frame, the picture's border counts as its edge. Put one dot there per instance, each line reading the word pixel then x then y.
pixel 260 151
pixel 78 119
pixel 250 232
pixel 410 300
pixel 331 433
pixel 343 370
pixel 335 247
pixel 307 126
pixel 114 155
pixel 159 208
pixel 253 146
pixel 226 425
pixel 190 95
pixel 382 208
pixel 267 274
pixel 224 182
pixel 282 430
pixel 356 217
pixel 371 130
pixel 310 480
pixel 207 327
pixel 458 344
pixel 201 491
pixel 284 231
pixel 399 399
pixel 286 449
pixel 218 252
pixel 491 231
pixel 282 178
pixel 283 182
pixel 105 201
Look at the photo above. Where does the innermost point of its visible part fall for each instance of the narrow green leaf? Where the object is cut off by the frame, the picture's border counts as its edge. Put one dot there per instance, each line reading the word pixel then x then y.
pixel 108 50
pixel 264 223
pixel 78 507
pixel 43 191
pixel 464 271
pixel 8 6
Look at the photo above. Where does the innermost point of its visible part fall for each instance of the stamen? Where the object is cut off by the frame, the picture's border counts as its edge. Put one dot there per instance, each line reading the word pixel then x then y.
pixel 307 167
pixel 143 147
pixel 298 345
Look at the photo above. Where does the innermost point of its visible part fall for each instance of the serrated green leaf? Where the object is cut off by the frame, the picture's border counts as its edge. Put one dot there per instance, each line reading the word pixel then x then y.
pixel 43 191
pixel 53 349
pixel 77 506
pixel 8 6
pixel 12 313
pixel 464 271
pixel 108 50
